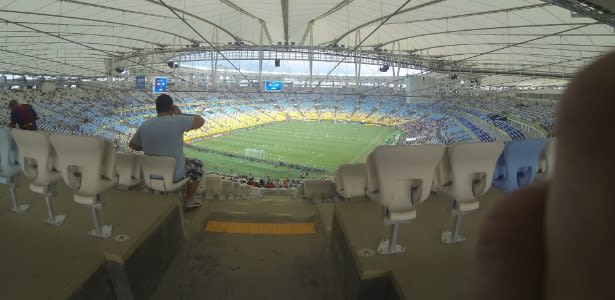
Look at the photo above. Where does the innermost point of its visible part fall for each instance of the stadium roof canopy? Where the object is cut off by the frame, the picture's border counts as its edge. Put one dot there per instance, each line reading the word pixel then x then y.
pixel 74 37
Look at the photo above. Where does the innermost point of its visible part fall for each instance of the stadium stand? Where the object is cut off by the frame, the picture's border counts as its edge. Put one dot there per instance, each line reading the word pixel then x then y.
pixel 517 165
pixel 79 111
pixel 412 167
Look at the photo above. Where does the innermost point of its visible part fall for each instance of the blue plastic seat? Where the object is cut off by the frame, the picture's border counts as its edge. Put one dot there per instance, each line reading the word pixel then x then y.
pixel 516 167
pixel 9 167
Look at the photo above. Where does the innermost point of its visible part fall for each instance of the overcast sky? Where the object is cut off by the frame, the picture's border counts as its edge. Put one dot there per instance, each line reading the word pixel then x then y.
pixel 300 67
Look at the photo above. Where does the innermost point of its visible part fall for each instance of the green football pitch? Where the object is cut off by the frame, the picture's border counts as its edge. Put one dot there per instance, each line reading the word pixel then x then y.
pixel 316 144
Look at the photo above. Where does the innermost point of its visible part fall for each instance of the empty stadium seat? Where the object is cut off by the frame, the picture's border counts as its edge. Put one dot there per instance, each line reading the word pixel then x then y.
pixel 213 186
pixel 128 170
pixel 236 190
pixel 9 168
pixel 244 191
pixel 87 165
pixel 399 178
pixel 464 174
pixel 318 189
pixel 227 189
pixel 158 172
pixel 351 180
pixel 255 192
pixel 546 162
pixel 37 159
pixel 517 165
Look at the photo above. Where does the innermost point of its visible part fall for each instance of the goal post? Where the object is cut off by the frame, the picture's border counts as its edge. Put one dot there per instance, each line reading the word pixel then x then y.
pixel 254 153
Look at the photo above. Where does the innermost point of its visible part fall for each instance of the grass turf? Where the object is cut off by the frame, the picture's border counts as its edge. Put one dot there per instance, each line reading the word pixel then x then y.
pixel 317 144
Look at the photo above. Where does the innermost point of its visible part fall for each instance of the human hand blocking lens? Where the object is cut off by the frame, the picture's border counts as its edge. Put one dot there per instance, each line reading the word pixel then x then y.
pixel 176 111
pixel 557 240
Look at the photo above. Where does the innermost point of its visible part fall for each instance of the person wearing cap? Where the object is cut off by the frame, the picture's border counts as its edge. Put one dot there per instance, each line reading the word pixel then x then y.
pixel 22 115
pixel 164 136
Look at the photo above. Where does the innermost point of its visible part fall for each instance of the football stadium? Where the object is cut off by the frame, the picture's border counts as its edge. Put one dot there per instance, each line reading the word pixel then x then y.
pixel 354 149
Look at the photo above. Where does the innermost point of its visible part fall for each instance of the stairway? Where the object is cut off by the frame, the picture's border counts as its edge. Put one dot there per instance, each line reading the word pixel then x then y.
pixel 215 265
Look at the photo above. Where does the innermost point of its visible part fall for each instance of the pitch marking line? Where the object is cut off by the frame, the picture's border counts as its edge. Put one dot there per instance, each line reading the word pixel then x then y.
pixel 366 146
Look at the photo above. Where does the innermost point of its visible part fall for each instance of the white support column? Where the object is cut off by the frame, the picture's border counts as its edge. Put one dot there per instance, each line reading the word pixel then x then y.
pixel 357 61
pixel 260 58
pixel 214 61
pixel 396 72
pixel 311 55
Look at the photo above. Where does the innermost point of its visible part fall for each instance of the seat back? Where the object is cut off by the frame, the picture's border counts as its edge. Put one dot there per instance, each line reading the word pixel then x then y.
pixel 213 185
pixel 128 169
pixel 87 163
pixel 351 180
pixel 37 158
pixel 517 165
pixel 227 188
pixel 546 161
pixel 470 169
pixel 236 189
pixel 320 189
pixel 158 172
pixel 400 177
pixel 9 165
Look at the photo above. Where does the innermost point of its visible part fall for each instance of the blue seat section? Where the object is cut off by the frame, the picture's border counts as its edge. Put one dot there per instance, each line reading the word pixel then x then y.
pixel 482 136
pixel 516 166
pixel 514 133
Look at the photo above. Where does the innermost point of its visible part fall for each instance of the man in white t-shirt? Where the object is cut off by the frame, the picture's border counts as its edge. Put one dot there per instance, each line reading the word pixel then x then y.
pixel 164 136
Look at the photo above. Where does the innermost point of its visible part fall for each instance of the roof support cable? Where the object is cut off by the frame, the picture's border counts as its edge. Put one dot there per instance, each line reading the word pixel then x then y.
pixel 452 62
pixel 211 45
pixel 361 43
pixel 111 54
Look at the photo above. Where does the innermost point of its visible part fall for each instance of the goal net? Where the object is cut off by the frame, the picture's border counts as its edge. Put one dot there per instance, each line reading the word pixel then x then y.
pixel 254 153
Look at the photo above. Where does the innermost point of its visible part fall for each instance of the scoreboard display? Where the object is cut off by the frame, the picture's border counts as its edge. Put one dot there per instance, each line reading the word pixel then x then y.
pixel 161 85
pixel 273 85
pixel 140 82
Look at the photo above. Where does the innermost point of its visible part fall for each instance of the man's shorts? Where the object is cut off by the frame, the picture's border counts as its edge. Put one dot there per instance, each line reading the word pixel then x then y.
pixel 194 169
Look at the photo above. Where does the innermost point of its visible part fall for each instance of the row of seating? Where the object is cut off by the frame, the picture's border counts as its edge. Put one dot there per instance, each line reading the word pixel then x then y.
pixel 88 165
pixel 401 177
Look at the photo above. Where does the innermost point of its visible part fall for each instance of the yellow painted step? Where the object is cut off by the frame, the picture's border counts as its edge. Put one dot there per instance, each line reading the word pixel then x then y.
pixel 260 228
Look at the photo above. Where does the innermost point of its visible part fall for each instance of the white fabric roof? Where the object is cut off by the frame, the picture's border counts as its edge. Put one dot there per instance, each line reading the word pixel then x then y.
pixel 72 37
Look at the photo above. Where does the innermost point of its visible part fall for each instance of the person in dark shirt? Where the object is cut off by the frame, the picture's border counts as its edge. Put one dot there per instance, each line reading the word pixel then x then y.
pixel 22 115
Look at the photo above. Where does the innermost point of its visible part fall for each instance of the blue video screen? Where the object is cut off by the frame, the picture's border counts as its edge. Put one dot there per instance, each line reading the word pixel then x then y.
pixel 161 85
pixel 273 85
pixel 140 82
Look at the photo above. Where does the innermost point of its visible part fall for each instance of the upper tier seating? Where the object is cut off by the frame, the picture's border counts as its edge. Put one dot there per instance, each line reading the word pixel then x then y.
pixel 517 165
pixel 128 170
pixel 88 167
pixel 464 175
pixel 158 172
pixel 546 161
pixel 351 180
pixel 9 168
pixel 38 160
pixel 399 178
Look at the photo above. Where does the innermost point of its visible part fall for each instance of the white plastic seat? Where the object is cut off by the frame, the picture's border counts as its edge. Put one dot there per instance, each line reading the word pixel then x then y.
pixel 236 190
pixel 351 180
pixel 546 161
pixel 243 191
pixel 9 168
pixel 213 186
pixel 87 164
pixel 314 189
pixel 37 159
pixel 128 170
pixel 256 192
pixel 227 188
pixel 158 173
pixel 464 174
pixel 399 178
